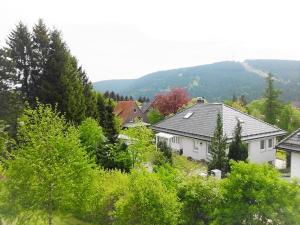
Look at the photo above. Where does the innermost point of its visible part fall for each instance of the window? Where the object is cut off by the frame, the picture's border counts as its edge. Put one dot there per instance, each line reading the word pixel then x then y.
pixel 208 148
pixel 197 145
pixel 175 140
pixel 188 115
pixel 262 145
pixel 270 143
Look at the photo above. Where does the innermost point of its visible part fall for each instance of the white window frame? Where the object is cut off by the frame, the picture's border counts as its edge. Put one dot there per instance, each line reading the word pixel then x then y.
pixel 196 144
pixel 262 149
pixel 175 140
pixel 270 148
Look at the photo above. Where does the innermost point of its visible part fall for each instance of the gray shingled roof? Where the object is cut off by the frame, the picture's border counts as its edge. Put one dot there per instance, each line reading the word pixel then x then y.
pixel 201 124
pixel 291 142
pixel 146 106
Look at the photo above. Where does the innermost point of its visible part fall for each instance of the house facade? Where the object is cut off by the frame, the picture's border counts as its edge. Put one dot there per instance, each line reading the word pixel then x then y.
pixel 191 130
pixel 291 144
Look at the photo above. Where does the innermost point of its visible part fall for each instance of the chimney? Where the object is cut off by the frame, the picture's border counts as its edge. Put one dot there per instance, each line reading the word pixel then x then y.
pixel 200 100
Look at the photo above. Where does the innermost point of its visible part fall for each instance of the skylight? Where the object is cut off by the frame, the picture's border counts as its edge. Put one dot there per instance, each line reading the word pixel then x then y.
pixel 188 115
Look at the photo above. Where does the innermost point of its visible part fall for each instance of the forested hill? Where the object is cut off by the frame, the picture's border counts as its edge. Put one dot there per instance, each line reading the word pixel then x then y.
pixel 215 82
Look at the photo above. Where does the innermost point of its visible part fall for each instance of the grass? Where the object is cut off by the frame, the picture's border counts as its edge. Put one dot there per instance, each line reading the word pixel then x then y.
pixel 187 166
pixel 68 220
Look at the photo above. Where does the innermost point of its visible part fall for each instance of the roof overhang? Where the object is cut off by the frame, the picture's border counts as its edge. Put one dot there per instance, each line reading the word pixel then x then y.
pixel 208 138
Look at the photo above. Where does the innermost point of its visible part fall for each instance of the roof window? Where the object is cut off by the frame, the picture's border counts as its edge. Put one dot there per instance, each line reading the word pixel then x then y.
pixel 188 115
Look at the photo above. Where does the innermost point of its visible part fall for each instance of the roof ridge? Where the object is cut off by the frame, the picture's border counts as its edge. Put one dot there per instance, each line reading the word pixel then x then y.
pixel 287 137
pixel 253 117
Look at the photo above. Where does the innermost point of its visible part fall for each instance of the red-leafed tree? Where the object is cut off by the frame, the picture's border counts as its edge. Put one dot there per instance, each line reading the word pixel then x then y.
pixel 172 101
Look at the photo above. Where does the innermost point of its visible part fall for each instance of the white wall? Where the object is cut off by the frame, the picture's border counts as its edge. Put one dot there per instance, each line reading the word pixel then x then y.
pixel 187 145
pixel 256 155
pixel 295 164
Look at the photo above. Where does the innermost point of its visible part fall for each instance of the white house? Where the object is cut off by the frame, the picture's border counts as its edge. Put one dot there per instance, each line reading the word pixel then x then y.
pixel 292 144
pixel 191 130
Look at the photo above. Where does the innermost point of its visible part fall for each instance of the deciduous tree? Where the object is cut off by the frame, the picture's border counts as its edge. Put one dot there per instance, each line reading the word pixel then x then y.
pixel 50 169
pixel 256 194
pixel 172 101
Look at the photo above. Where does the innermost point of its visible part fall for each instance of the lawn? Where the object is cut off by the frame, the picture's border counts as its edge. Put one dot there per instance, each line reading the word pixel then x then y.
pixel 190 167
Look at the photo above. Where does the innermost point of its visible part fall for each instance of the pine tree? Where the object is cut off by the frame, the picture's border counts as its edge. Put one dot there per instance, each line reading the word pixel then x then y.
pixel 243 100
pixel 234 98
pixel 110 127
pixel 10 99
pixel 218 148
pixel 40 49
pixel 272 104
pixel 62 82
pixel 106 94
pixel 101 110
pixel 238 150
pixel 20 51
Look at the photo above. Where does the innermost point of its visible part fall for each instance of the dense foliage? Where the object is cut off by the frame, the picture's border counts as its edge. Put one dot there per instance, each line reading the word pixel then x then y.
pixel 256 194
pixel 170 102
pixel 50 174
pixel 49 171
pixel 154 116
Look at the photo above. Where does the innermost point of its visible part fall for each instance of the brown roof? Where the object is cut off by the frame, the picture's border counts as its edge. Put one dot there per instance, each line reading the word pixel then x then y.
pixel 125 110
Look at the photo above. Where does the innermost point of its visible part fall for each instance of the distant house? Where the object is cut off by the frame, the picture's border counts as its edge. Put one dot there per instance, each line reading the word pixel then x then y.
pixel 129 112
pixel 292 144
pixel 296 104
pixel 146 106
pixel 191 130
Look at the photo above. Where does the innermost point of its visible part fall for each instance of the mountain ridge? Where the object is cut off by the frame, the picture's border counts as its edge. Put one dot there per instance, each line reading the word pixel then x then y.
pixel 216 81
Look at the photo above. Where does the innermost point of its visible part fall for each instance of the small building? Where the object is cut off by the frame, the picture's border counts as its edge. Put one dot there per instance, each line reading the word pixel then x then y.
pixel 190 131
pixel 146 107
pixel 296 104
pixel 129 112
pixel 291 144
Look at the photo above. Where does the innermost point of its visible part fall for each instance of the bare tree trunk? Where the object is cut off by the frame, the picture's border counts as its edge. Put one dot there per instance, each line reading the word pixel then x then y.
pixel 50 217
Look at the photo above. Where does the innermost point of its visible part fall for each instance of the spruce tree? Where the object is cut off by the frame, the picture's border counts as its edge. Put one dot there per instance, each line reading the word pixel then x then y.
pixel 20 51
pixel 10 99
pixel 218 148
pixel 238 149
pixel 40 49
pixel 272 104
pixel 111 128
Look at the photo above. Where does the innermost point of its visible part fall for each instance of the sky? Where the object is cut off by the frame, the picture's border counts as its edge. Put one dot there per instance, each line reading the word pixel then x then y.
pixel 125 39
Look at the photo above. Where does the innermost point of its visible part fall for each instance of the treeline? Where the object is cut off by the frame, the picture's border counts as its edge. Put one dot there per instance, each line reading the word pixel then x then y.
pixel 118 97
pixel 37 65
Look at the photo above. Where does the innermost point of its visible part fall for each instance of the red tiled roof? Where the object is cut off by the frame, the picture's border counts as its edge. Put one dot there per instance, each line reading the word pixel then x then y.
pixel 123 109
